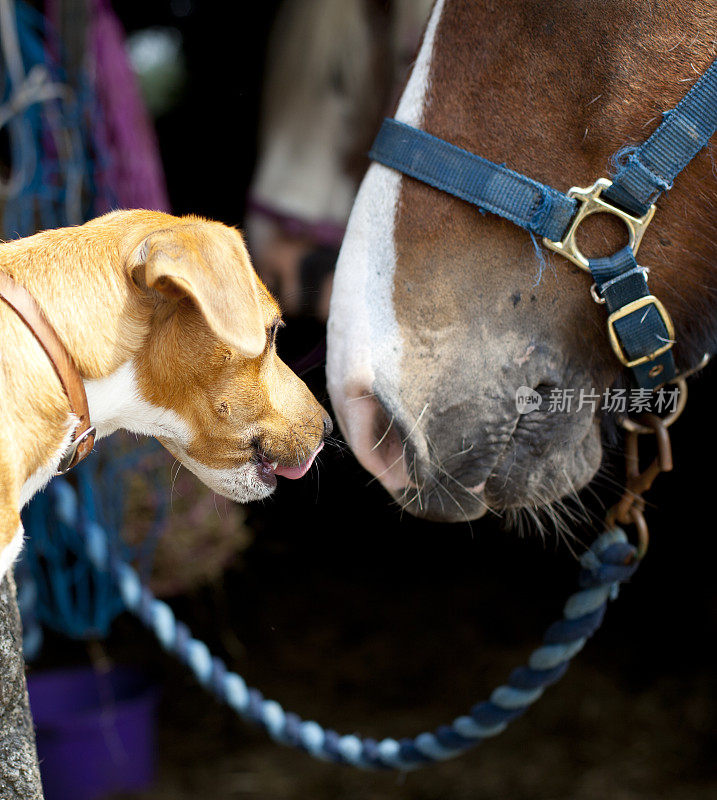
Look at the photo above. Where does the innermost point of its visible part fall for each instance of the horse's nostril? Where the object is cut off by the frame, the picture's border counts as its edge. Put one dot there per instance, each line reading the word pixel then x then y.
pixel 328 426
pixel 387 448
pixel 375 438
pixel 381 425
pixel 545 390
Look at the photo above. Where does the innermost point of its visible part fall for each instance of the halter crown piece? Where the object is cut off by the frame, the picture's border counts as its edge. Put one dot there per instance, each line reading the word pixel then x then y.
pixel 640 329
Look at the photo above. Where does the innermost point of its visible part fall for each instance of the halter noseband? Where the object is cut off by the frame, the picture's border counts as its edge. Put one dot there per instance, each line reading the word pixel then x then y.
pixel 640 328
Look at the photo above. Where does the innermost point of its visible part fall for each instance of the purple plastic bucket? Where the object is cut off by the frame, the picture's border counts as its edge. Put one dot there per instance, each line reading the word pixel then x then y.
pixel 95 731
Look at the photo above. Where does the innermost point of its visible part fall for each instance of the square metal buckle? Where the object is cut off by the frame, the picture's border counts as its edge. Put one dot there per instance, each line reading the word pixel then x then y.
pixel 625 311
pixel 591 203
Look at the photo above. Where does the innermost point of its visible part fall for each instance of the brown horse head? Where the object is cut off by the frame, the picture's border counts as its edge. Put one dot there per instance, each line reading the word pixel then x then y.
pixel 440 313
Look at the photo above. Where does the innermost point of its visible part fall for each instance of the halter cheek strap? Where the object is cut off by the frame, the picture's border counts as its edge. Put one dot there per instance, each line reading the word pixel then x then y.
pixel 639 326
pixel 26 307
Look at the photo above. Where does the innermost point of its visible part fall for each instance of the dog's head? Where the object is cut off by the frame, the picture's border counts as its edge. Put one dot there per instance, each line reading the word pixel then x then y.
pixel 229 409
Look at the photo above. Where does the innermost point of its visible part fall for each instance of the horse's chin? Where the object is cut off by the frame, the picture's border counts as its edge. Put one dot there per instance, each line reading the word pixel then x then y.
pixel 441 505
pixel 523 477
pixel 526 477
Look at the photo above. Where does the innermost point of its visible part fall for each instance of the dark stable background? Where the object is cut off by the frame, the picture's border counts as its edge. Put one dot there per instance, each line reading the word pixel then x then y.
pixel 365 619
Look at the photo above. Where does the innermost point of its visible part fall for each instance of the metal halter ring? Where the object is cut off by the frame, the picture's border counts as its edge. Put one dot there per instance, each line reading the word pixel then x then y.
pixel 592 203
pixel 637 427
pixel 634 516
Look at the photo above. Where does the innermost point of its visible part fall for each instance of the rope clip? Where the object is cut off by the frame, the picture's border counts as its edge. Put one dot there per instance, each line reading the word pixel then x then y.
pixel 631 506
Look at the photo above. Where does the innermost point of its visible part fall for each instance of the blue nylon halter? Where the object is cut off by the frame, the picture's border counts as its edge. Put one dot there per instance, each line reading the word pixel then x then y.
pixel 638 323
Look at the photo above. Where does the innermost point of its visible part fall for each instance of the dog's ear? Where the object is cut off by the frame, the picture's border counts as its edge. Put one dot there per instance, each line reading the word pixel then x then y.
pixel 215 273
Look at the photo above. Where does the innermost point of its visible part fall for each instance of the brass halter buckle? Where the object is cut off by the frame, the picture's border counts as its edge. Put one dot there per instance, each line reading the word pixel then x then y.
pixel 642 302
pixel 592 203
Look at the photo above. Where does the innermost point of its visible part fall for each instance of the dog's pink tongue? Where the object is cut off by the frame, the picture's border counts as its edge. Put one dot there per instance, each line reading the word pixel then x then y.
pixel 292 473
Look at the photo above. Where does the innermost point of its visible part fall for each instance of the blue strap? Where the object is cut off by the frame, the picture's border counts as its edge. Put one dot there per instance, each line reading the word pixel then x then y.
pixel 620 281
pixel 652 168
pixel 539 209
pixel 545 211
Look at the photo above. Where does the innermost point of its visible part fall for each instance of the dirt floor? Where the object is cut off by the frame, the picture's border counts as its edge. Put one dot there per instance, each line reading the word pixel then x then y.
pixel 396 650
pixel 415 659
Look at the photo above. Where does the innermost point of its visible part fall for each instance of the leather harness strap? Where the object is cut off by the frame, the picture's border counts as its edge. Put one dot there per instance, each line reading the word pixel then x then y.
pixel 26 307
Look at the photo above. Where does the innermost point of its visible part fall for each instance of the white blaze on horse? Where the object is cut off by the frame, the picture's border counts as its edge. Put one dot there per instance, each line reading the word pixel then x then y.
pixel 440 314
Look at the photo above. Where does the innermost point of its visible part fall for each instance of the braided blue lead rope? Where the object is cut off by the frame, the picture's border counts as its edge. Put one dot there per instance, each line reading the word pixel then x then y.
pixel 610 561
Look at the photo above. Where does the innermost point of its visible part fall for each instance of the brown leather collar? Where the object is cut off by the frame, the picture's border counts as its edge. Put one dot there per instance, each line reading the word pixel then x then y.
pixel 26 307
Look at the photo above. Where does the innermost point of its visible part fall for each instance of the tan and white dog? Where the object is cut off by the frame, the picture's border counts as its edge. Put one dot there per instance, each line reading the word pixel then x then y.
pixel 173 336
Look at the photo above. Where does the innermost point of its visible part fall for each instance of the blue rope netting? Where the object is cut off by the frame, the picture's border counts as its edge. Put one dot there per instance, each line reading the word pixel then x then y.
pixel 51 152
pixel 609 562
pixel 68 533
pixel 70 594
pixel 53 161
